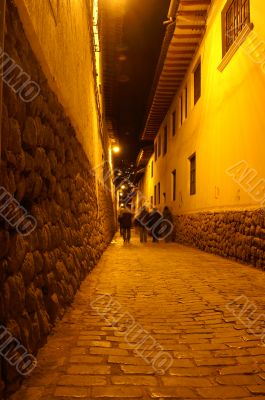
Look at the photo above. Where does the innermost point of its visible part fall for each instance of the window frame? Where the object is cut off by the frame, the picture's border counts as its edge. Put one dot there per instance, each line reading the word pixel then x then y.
pixel 186 102
pixel 197 81
pixel 155 150
pixel 165 141
pixel 193 173
pixel 173 121
pixel 181 109
pixel 159 146
pixel 174 184
pixel 155 195
pixel 158 193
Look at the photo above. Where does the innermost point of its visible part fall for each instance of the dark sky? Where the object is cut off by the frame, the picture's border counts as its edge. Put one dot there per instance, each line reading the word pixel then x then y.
pixel 143 36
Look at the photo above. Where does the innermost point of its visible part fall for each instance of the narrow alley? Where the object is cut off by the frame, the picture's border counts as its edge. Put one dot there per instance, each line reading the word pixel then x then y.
pixel 132 199
pixel 185 300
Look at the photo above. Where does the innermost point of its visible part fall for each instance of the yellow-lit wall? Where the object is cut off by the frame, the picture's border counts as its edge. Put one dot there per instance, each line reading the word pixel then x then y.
pixel 145 188
pixel 61 40
pixel 225 126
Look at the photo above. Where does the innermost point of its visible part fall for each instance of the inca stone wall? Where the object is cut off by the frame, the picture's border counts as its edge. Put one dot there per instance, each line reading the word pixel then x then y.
pixel 239 235
pixel 45 168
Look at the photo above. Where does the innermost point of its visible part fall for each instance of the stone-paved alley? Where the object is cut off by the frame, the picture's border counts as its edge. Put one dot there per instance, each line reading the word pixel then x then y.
pixel 179 295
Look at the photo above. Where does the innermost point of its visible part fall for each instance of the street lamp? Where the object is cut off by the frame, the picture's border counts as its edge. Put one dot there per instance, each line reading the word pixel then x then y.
pixel 116 149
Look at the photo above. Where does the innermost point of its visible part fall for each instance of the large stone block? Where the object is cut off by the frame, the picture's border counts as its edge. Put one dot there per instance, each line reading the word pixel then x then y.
pixel 14 138
pixel 15 294
pixel 5 129
pixel 29 136
pixel 31 301
pixel 18 249
pixel 4 243
pixel 28 269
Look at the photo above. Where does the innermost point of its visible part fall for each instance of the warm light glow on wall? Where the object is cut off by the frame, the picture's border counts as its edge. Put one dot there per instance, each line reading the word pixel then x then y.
pixel 96 34
pixel 95 13
pixel 110 158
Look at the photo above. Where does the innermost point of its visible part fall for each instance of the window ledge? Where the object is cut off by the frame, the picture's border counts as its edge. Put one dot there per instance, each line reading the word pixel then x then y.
pixel 235 46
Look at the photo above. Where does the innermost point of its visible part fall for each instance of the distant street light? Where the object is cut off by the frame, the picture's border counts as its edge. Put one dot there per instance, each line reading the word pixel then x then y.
pixel 116 149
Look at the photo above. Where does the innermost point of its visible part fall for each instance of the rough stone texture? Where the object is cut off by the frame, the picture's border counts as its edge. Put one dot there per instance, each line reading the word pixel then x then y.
pixel 239 235
pixel 44 166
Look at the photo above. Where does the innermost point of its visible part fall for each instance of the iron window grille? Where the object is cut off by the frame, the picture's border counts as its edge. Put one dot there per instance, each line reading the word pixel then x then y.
pixel 235 16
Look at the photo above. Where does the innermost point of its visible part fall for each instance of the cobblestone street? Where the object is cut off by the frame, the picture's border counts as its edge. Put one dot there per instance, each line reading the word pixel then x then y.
pixel 179 296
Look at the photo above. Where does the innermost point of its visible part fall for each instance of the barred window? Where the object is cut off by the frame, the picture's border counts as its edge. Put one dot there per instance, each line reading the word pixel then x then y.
pixel 235 15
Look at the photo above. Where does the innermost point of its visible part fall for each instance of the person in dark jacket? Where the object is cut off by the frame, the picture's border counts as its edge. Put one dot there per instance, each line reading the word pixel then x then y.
pixel 153 223
pixel 119 220
pixel 140 222
pixel 126 225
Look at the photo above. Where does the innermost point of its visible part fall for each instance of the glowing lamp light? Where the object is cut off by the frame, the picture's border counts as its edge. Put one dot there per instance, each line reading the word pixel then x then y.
pixel 116 149
pixel 123 187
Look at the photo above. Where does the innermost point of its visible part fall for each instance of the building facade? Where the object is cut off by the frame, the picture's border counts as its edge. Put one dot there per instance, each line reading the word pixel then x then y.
pixel 208 137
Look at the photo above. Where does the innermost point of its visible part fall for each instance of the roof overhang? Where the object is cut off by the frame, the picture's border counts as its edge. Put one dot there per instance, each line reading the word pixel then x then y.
pixel 181 41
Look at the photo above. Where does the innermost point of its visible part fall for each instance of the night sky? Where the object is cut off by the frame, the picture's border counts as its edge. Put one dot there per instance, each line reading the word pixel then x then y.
pixel 142 39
